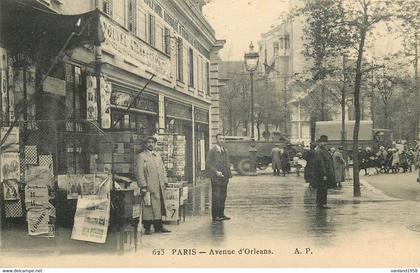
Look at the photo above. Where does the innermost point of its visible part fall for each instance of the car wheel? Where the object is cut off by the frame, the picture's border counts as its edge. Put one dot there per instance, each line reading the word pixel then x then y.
pixel 244 166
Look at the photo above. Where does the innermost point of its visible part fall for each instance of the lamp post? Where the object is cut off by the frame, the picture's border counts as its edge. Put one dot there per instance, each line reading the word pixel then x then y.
pixel 251 64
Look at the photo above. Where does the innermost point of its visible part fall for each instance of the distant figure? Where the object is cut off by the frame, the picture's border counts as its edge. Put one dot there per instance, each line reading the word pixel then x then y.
pixel 417 160
pixel 339 166
pixel 395 161
pixel 309 156
pixel 382 158
pixel 285 162
pixel 324 172
pixel 276 159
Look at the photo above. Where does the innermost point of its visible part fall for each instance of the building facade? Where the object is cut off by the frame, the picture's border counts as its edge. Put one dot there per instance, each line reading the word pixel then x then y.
pixel 152 68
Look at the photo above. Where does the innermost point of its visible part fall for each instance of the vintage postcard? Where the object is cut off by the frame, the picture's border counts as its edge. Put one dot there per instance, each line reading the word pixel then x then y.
pixel 210 134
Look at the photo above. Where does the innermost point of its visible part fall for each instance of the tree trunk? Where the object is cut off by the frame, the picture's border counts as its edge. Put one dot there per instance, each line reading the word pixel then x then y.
pixel 343 115
pixel 357 85
pixel 416 77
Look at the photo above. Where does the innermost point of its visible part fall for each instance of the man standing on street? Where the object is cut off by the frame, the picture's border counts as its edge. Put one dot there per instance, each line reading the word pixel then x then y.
pixel 151 178
pixel 324 172
pixel 276 159
pixel 309 156
pixel 218 169
pixel 339 166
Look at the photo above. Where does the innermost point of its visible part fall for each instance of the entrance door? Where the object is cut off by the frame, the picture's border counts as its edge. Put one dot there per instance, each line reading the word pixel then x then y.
pixel 187 132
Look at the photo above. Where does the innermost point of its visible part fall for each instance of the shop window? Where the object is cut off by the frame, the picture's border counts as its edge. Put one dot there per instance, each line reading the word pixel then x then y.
pixel 107 7
pixel 131 16
pixel 191 67
pixel 286 42
pixel 151 30
pixel 180 60
pixel 167 41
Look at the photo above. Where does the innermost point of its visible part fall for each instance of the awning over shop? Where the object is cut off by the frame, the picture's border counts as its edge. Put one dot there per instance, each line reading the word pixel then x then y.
pixel 27 27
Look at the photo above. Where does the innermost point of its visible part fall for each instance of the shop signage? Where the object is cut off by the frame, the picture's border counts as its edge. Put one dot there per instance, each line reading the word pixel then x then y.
pixel 55 86
pixel 134 50
pixel 172 204
pixel 178 110
pixel 201 116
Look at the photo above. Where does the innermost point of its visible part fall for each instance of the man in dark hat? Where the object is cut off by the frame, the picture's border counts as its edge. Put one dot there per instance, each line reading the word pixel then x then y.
pixel 324 172
pixel 218 169
pixel 151 178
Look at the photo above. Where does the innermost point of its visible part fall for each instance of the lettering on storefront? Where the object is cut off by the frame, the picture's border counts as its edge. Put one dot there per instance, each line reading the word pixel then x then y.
pixel 178 110
pixel 134 50
pixel 201 116
pixel 123 97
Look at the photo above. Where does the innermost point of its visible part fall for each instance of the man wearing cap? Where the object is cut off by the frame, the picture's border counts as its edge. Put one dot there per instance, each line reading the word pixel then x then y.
pixel 276 159
pixel 218 169
pixel 151 178
pixel 324 172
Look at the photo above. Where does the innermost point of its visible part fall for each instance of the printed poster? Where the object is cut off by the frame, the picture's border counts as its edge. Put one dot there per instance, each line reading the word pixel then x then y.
pixel 11 143
pixel 10 190
pixel 172 204
pixel 91 103
pixel 91 219
pixel 10 166
pixel 38 176
pixel 105 103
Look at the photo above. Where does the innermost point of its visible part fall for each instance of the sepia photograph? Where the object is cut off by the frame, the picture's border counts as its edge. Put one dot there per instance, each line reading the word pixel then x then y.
pixel 280 134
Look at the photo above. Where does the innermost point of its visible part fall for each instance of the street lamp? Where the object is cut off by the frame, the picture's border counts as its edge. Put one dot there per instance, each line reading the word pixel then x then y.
pixel 251 64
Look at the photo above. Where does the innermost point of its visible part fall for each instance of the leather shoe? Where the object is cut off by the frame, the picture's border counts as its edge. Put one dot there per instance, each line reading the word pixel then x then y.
pixel 217 219
pixel 163 230
pixel 224 217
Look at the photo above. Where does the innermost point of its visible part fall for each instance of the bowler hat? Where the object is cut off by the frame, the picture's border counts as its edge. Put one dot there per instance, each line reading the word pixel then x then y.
pixel 323 138
pixel 149 137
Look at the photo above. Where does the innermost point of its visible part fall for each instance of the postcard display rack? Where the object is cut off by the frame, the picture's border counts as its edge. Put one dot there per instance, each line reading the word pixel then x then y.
pixel 172 149
pixel 57 181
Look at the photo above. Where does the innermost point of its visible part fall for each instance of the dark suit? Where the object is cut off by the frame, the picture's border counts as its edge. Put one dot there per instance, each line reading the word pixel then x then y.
pixel 218 160
pixel 323 166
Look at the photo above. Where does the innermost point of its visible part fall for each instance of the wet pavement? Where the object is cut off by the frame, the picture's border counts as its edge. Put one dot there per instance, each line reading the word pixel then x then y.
pixel 279 214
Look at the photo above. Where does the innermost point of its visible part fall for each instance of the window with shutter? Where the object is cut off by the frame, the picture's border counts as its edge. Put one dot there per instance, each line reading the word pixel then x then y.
pixel 191 67
pixel 180 60
pixel 159 37
pixel 141 24
pixel 151 33
pixel 131 16
pixel 167 41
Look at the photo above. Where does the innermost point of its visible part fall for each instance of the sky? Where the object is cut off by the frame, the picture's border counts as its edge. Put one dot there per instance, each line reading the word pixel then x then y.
pixel 241 21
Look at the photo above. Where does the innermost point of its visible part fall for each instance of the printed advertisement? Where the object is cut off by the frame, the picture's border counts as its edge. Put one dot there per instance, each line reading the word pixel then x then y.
pixel 11 143
pixel 92 106
pixel 38 176
pixel 172 204
pixel 10 166
pixel 10 190
pixel 91 219
pixel 105 103
pixel 85 184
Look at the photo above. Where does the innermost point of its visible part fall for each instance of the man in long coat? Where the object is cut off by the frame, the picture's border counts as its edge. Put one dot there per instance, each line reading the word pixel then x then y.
pixel 151 178
pixel 339 166
pixel 285 161
pixel 309 157
pixel 218 169
pixel 276 159
pixel 324 172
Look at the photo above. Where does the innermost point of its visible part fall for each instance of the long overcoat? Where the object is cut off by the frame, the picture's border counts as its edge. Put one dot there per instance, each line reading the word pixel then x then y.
pixel 323 166
pixel 276 158
pixel 309 157
pixel 150 172
pixel 339 166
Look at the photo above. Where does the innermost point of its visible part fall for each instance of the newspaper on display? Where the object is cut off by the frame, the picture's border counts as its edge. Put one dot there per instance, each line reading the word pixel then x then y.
pixel 91 219
pixel 10 166
pixel 172 204
pixel 11 143
pixel 41 215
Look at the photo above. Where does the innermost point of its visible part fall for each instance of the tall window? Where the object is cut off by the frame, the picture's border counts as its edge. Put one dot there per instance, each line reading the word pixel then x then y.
pixel 151 30
pixel 159 43
pixel 286 42
pixel 107 7
pixel 141 24
pixel 131 16
pixel 167 41
pixel 191 67
pixel 208 78
pixel 180 60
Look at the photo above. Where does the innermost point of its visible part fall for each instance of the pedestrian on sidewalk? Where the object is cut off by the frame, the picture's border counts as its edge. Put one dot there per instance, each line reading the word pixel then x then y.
pixel 417 160
pixel 150 175
pixel 285 162
pixel 339 166
pixel 324 172
pixel 308 172
pixel 276 159
pixel 218 169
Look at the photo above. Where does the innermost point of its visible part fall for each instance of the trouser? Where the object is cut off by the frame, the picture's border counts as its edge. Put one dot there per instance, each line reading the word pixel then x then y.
pixel 218 192
pixel 157 224
pixel 276 171
pixel 321 196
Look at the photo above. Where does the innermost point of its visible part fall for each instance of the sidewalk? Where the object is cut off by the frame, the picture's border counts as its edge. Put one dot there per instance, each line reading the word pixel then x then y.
pixel 279 215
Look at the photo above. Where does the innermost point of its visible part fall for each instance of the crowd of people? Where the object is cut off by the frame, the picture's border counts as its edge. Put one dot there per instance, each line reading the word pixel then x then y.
pixel 391 160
